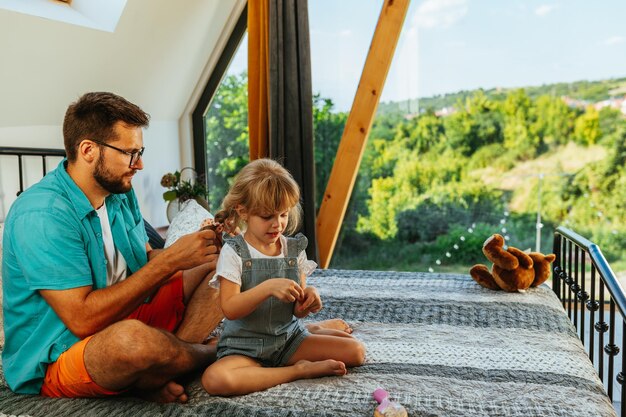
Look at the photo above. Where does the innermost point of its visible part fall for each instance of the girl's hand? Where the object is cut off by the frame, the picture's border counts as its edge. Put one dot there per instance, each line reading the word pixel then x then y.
pixel 284 289
pixel 309 303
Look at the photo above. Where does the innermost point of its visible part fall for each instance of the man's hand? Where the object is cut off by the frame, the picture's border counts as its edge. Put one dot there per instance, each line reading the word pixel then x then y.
pixel 309 303
pixel 192 250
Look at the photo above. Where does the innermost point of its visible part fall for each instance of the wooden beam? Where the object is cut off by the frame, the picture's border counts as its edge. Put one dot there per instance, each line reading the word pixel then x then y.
pixel 358 125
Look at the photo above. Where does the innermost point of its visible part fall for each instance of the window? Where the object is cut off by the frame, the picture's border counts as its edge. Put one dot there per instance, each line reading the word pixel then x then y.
pixel 518 129
pixel 102 15
pixel 220 121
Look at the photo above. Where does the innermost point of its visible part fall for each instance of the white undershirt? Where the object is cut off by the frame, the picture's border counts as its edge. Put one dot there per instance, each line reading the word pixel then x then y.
pixel 116 264
pixel 229 264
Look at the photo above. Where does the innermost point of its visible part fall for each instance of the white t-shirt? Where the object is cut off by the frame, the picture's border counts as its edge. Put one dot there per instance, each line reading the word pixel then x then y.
pixel 229 264
pixel 116 264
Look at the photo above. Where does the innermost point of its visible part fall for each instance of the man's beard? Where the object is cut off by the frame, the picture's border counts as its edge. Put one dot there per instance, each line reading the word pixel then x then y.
pixel 107 180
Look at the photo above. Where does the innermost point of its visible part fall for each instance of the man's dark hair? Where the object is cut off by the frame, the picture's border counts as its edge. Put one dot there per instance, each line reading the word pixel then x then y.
pixel 94 115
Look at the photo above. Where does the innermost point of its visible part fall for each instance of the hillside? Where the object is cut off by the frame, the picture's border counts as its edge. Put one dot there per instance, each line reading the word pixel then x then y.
pixel 521 180
pixel 591 91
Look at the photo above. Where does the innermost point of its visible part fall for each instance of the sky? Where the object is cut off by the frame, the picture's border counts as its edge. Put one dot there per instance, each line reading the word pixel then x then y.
pixel 452 45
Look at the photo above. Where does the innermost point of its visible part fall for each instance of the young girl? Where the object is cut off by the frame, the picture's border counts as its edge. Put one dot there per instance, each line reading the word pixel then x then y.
pixel 262 280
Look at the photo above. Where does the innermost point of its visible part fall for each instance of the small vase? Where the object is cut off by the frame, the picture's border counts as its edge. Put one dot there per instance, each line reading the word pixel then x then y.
pixel 174 206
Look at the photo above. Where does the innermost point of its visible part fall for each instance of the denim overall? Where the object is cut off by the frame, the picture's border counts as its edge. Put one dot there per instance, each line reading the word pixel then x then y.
pixel 270 334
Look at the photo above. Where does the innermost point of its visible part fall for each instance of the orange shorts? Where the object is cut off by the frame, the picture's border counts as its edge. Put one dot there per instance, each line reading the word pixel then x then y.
pixel 68 377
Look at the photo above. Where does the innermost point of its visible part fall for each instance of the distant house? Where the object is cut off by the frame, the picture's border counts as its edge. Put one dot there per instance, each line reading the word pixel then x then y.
pixel 445 111
pixel 614 103
pixel 575 103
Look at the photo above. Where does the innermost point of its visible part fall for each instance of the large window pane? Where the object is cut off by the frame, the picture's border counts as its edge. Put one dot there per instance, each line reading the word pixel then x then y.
pixel 491 121
pixel 226 123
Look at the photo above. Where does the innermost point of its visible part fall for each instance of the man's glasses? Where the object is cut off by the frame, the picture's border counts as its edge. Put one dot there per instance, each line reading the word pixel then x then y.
pixel 134 156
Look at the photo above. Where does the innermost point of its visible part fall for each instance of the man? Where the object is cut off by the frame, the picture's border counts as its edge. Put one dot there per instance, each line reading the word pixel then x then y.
pixel 90 309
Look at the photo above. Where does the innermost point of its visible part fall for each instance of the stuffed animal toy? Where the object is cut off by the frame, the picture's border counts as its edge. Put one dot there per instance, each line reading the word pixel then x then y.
pixel 513 269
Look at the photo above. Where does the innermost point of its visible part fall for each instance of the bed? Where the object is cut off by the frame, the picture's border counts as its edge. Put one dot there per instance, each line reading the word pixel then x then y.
pixel 439 343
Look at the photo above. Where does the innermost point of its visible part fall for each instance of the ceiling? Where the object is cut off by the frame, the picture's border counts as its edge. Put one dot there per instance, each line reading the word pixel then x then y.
pixel 157 55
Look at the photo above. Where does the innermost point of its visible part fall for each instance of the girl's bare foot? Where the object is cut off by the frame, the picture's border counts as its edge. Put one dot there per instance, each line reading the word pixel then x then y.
pixel 329 367
pixel 330 324
pixel 168 393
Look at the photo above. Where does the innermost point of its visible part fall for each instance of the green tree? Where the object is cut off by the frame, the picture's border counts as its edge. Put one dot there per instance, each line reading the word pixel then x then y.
pixel 226 135
pixel 519 138
pixel 587 126
pixel 612 121
pixel 427 133
pixel 328 128
pixel 475 123
pixel 553 120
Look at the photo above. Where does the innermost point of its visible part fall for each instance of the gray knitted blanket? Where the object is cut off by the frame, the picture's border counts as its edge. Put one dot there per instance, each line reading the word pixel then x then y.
pixel 440 344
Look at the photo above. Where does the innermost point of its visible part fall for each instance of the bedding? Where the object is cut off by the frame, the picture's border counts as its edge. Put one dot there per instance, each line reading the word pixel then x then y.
pixel 438 343
pixel 187 220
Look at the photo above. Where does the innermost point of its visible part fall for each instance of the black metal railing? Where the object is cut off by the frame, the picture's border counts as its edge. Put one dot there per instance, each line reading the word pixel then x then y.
pixel 20 153
pixel 582 277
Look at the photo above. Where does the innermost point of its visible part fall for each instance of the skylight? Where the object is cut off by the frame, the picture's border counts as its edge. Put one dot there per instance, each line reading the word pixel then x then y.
pixel 94 14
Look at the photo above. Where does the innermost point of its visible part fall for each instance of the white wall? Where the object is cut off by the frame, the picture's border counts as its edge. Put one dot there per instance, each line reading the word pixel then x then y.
pixel 28 137
pixel 159 57
pixel 162 155
pixel 32 136
pixel 154 58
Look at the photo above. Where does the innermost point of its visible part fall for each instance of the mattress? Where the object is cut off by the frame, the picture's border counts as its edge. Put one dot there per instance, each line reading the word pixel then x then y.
pixel 438 343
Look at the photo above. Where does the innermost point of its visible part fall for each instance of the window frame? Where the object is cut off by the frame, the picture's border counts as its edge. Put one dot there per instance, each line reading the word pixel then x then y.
pixel 198 124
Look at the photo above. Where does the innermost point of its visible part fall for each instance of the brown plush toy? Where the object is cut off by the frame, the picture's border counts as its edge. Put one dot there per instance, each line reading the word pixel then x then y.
pixel 513 270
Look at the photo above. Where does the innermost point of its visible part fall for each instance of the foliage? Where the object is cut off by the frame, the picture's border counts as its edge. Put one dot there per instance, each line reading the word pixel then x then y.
pixel 587 127
pixel 466 247
pixel 553 120
pixel 519 137
pixel 183 189
pixel 490 156
pixel 477 122
pixel 226 135
pixel 417 173
pixel 589 91
pixel 431 219
pixel 327 131
pixel 422 182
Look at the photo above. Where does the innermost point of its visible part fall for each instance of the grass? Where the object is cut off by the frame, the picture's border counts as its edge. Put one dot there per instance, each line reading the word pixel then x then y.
pixel 567 159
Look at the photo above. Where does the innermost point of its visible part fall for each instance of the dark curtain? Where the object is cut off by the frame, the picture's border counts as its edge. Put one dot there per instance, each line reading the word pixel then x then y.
pixel 291 103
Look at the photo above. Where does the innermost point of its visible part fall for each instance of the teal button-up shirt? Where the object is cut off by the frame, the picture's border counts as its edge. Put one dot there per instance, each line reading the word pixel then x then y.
pixel 53 240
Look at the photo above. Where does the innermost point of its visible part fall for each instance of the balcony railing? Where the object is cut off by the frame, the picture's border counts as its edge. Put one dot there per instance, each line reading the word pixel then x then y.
pixel 586 285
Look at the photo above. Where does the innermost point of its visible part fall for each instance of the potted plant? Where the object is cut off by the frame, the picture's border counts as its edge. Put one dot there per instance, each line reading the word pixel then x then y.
pixel 183 185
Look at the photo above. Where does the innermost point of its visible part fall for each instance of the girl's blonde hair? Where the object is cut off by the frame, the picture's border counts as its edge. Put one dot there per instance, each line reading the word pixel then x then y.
pixel 263 187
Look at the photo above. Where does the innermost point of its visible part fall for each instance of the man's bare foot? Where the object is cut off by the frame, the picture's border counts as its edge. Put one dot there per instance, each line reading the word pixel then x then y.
pixel 168 393
pixel 329 367
pixel 331 324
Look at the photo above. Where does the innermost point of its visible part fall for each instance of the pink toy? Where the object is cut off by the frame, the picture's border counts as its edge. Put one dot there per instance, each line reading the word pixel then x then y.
pixel 387 408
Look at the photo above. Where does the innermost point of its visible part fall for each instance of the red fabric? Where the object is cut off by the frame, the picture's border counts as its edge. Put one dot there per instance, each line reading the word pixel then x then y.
pixel 166 308
pixel 68 377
